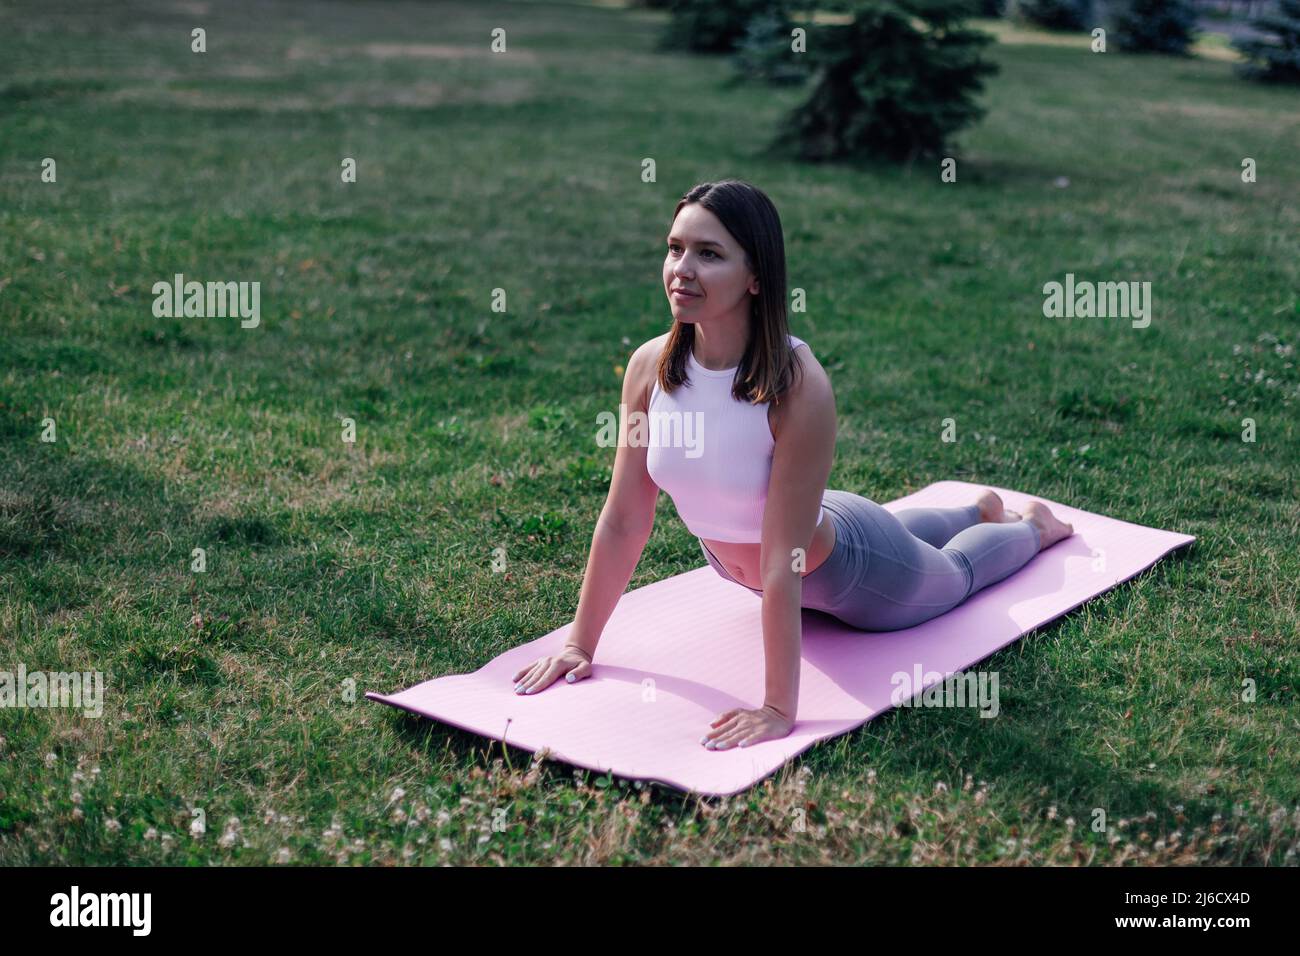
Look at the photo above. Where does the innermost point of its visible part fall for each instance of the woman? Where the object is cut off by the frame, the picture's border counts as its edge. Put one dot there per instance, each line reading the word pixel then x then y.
pixel 750 481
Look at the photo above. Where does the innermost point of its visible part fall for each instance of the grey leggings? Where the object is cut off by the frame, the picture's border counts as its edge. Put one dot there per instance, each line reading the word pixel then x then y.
pixel 893 570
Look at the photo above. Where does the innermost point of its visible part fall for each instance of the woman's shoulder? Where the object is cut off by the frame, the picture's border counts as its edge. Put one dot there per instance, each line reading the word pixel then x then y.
pixel 644 365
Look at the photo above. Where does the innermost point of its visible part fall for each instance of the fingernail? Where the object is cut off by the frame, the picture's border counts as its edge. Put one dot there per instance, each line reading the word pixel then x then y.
pixel 704 739
pixel 741 744
pixel 722 746
pixel 528 691
pixel 570 678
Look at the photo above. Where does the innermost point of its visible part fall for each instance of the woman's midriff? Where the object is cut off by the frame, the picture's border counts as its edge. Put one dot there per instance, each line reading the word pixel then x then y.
pixel 742 559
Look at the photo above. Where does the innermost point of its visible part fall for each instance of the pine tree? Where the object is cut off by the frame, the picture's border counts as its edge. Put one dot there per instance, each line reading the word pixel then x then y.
pixel 1054 14
pixel 714 26
pixel 895 83
pixel 1275 60
pixel 764 53
pixel 1154 26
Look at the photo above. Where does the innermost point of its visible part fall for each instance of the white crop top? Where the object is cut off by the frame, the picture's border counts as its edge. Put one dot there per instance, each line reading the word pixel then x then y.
pixel 712 454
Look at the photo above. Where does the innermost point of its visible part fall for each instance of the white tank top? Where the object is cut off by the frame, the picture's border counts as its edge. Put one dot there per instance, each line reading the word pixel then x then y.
pixel 712 454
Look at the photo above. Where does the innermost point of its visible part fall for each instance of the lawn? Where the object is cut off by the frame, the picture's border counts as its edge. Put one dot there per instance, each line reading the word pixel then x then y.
pixel 335 567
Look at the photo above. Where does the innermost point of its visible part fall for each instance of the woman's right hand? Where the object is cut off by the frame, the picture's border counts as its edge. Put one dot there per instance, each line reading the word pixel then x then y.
pixel 536 676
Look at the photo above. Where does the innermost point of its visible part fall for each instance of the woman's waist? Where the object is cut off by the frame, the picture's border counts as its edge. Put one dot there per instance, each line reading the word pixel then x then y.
pixel 742 559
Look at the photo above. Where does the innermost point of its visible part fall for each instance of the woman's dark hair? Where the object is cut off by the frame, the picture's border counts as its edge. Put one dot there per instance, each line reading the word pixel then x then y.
pixel 768 366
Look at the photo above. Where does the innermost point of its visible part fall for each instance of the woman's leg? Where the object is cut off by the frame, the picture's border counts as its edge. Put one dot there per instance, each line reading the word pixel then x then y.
pixel 897 580
pixel 937 526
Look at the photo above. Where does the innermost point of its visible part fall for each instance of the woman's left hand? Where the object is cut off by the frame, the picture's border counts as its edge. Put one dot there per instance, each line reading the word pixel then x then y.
pixel 741 728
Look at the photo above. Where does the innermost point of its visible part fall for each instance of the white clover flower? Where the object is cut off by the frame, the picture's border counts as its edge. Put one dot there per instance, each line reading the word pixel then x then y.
pixel 112 826
pixel 231 836
pixel 151 834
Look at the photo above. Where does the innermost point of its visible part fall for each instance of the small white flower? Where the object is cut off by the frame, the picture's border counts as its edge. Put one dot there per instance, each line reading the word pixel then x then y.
pixel 151 834
pixel 282 855
pixel 112 826
pixel 51 760
pixel 76 797
pixel 231 836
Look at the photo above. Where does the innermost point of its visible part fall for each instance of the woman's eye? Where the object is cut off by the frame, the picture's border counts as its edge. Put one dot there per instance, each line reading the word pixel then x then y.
pixel 673 248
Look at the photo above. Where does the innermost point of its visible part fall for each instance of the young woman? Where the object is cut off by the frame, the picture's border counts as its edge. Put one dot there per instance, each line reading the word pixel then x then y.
pixel 752 484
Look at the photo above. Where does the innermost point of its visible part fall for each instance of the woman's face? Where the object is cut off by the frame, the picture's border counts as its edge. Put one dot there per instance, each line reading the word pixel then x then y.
pixel 704 259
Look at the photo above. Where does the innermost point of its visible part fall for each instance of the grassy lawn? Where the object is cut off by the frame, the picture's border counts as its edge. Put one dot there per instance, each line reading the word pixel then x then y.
pixel 368 565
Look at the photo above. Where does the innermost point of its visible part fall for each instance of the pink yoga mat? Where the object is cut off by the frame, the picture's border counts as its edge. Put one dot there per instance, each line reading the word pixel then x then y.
pixel 678 652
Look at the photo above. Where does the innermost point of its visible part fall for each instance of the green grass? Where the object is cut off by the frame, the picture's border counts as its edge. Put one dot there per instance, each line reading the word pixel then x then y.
pixel 372 562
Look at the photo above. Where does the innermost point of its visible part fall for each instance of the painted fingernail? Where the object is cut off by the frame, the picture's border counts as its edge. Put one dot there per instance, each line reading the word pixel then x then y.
pixel 570 678
pixel 528 691
pixel 704 739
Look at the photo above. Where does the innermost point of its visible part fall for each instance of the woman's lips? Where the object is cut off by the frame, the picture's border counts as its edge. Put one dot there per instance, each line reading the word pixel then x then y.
pixel 681 296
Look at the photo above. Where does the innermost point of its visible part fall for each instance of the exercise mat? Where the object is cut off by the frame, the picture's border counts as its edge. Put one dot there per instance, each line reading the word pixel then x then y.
pixel 679 652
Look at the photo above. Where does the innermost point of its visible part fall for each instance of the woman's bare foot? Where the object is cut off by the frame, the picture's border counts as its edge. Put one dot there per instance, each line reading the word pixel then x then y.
pixel 991 508
pixel 1050 530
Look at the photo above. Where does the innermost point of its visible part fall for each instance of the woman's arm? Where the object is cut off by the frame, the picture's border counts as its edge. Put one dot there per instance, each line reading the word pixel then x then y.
pixel 801 465
pixel 626 520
